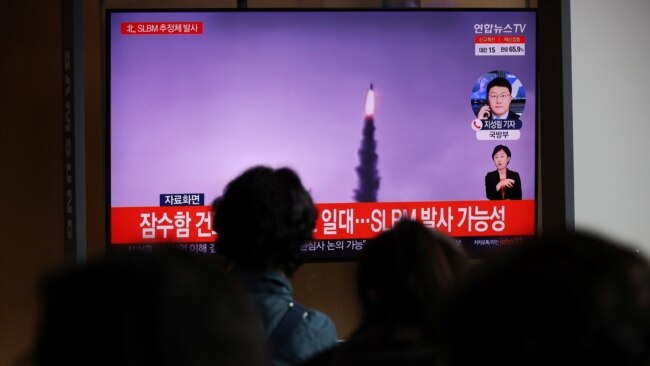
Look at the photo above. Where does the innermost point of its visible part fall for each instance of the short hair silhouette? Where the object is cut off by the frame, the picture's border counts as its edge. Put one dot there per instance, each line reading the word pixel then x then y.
pixel 567 298
pixel 498 81
pixel 405 276
pixel 505 149
pixel 263 218
pixel 159 309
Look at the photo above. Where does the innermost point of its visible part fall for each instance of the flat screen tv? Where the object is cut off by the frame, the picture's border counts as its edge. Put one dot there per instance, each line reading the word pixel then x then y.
pixel 384 114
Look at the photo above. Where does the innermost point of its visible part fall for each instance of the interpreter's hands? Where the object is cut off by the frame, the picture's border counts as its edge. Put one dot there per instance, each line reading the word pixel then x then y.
pixel 508 182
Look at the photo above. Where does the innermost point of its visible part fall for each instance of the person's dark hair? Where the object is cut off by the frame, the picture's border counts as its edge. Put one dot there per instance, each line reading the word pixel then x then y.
pixel 159 309
pixel 498 81
pixel 263 218
pixel 573 297
pixel 405 275
pixel 499 148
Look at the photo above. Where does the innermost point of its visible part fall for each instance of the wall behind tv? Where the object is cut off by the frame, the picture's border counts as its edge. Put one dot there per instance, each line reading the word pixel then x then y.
pixel 611 117
pixel 31 145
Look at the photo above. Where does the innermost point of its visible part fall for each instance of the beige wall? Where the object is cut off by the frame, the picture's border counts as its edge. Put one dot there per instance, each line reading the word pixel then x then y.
pixel 611 79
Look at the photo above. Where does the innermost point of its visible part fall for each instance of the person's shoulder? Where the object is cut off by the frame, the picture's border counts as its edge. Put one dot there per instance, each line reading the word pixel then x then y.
pixel 513 115
pixel 315 333
pixel 317 322
pixel 513 175
pixel 317 325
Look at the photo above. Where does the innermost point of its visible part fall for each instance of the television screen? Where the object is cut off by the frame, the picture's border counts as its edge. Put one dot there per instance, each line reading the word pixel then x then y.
pixel 420 114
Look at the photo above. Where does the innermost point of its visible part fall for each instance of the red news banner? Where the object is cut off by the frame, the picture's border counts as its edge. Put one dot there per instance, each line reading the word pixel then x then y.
pixel 193 224
pixel 499 39
pixel 157 28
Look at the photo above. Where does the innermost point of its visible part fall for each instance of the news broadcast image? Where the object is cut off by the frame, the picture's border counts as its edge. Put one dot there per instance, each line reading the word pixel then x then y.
pixel 196 98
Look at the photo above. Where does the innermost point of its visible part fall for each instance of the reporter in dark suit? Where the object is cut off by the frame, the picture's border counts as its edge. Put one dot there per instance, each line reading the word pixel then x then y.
pixel 502 184
pixel 499 96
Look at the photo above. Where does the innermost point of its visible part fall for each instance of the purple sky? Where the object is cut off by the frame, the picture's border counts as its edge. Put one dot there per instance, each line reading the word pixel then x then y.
pixel 191 112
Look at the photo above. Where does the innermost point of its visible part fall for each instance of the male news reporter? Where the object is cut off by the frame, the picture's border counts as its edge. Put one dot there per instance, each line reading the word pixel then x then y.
pixel 499 95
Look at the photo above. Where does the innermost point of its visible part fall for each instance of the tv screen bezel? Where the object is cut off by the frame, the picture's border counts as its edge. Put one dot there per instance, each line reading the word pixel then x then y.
pixel 538 95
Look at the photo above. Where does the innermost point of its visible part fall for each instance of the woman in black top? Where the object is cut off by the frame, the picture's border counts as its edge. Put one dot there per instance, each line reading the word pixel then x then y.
pixel 502 184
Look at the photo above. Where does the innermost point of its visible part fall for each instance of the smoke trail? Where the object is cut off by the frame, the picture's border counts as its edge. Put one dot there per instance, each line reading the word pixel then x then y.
pixel 367 170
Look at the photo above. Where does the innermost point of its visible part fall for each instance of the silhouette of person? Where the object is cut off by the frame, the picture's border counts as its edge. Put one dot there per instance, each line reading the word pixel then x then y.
pixel 405 276
pixel 163 309
pixel 567 298
pixel 262 220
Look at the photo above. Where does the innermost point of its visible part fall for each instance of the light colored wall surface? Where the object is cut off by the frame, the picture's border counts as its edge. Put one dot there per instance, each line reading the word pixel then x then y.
pixel 611 124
